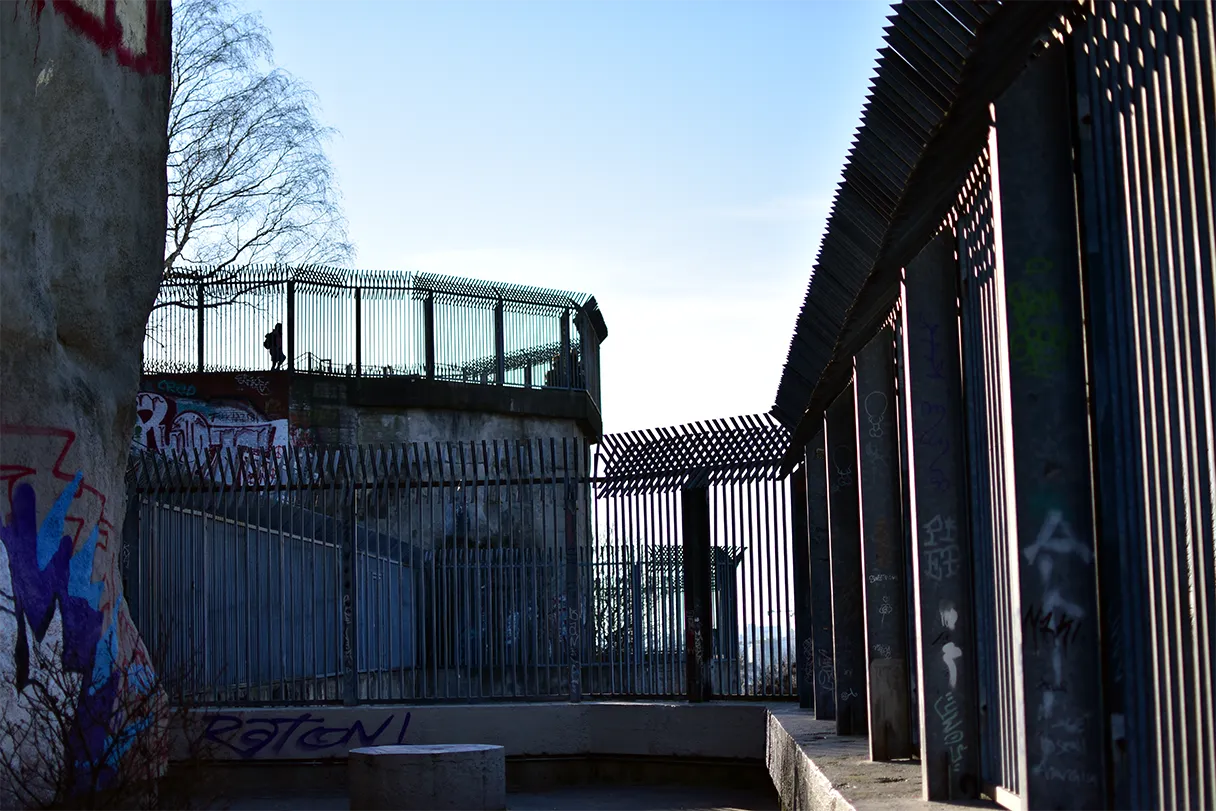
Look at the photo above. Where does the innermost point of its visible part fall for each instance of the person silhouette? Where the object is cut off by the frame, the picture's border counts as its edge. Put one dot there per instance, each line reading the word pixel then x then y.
pixel 274 344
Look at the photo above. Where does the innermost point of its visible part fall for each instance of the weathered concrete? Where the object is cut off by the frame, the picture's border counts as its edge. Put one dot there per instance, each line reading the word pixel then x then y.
pixel 398 409
pixel 810 766
pixel 83 115
pixel 814 768
pixel 434 776
pixel 728 730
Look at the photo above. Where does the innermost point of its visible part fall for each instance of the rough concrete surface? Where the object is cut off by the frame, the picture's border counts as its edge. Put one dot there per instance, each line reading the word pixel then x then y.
pixel 814 768
pixel 719 729
pixel 568 798
pixel 469 777
pixel 83 114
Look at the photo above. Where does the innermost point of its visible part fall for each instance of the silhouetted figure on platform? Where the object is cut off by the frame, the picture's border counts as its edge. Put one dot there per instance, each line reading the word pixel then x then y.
pixel 274 343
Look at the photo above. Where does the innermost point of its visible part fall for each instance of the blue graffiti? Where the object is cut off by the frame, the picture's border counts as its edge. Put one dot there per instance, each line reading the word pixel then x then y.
pixel 48 575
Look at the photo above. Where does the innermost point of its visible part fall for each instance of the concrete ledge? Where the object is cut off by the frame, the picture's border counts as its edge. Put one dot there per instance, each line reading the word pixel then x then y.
pixel 814 768
pixel 723 730
pixel 810 766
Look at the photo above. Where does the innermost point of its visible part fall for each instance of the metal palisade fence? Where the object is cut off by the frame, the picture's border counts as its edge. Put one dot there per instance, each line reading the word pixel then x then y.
pixel 1001 393
pixel 376 324
pixel 463 572
pixel 692 569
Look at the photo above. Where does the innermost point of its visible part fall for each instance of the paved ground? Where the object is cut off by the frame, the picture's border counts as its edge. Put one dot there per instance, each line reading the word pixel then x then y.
pixel 608 798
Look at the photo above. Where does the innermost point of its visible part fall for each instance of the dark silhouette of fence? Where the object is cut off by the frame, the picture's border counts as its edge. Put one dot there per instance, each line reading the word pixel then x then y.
pixel 375 324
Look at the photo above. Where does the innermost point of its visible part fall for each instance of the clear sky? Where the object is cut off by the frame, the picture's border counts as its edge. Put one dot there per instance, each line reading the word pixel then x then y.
pixel 674 159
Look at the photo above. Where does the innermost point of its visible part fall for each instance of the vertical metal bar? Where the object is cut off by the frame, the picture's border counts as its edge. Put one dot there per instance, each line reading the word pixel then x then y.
pixel 882 549
pixel 500 344
pixel 698 617
pixel 820 657
pixel 573 614
pixel 428 332
pixel 945 615
pixel 348 538
pixel 1048 413
pixel 291 325
pixel 563 361
pixel 202 334
pixel 358 331
pixel 848 622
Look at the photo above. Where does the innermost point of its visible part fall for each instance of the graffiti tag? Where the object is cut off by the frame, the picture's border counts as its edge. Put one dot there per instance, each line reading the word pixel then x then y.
pixel 303 733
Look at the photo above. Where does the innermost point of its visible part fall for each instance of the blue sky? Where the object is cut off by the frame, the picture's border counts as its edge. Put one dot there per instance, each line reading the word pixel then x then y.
pixel 675 159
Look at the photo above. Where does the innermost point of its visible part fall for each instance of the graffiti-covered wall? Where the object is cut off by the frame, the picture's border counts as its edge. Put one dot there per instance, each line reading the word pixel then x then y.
pixel 83 116
pixel 211 412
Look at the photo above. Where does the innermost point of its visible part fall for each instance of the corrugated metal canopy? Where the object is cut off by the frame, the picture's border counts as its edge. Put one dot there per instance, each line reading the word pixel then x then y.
pixel 924 120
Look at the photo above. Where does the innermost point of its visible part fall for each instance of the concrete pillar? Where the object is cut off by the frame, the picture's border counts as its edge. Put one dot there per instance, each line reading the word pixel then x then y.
pixel 882 549
pixel 848 619
pixel 804 645
pixel 823 660
pixel 84 108
pixel 1061 655
pixel 945 614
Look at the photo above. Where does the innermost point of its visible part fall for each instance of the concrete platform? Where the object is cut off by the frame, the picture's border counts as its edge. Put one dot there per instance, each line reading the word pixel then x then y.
pixel 814 768
pixel 451 777
pixel 560 744
pixel 564 798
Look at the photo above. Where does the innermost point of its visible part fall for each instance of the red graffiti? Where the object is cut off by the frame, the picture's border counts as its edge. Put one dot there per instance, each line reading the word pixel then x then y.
pixel 12 474
pixel 133 30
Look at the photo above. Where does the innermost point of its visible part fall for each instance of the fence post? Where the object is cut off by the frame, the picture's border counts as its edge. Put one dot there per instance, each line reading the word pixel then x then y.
pixel 428 328
pixel 563 360
pixel 133 585
pixel 358 331
pixel 945 613
pixel 882 549
pixel 800 541
pixel 698 610
pixel 821 655
pixel 844 537
pixel 350 616
pixel 573 606
pixel 202 308
pixel 291 325
pixel 500 345
pixel 1049 416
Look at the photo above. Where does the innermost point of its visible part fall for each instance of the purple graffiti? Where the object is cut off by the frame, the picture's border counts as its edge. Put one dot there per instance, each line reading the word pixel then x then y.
pixel 49 577
pixel 304 732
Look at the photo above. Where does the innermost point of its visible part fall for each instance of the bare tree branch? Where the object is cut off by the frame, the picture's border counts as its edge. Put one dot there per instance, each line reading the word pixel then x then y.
pixel 249 180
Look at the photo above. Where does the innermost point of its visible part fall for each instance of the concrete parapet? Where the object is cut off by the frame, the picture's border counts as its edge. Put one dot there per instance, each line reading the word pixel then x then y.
pixel 434 776
pixel 732 730
pixel 814 768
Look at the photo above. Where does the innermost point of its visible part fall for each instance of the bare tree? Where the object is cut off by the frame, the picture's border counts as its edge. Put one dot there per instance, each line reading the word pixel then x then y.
pixel 249 180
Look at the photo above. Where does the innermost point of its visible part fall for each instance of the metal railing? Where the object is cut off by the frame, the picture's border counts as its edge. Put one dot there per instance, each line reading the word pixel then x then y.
pixel 376 324
pixel 461 571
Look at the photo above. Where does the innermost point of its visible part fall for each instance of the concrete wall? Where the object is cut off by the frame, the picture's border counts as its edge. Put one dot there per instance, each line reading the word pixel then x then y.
pixel 715 730
pixel 83 115
pixel 338 411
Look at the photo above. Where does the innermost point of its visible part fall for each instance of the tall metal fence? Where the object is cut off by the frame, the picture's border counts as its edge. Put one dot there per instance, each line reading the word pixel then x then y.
pixel 1009 455
pixel 694 537
pixel 414 572
pixel 376 324
pixel 467 571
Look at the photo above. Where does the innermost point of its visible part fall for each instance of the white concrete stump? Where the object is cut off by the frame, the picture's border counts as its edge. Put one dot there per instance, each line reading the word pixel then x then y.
pixel 438 776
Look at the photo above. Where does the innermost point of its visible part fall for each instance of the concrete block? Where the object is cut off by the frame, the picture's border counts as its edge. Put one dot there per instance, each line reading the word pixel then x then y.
pixel 428 776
